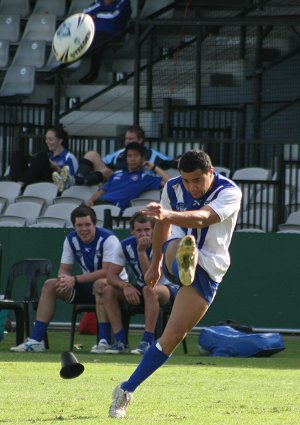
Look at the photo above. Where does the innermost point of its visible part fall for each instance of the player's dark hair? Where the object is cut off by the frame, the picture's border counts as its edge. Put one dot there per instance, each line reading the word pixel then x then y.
pixel 139 217
pixel 194 160
pixel 60 134
pixel 137 130
pixel 83 211
pixel 135 146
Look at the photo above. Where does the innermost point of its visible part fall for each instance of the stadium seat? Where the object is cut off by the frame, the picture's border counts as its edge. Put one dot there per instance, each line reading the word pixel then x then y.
pixel 52 63
pixel 252 173
pixel 18 7
pixel 250 230
pixel 40 27
pixel 100 210
pixel 18 80
pixel 26 210
pixel 12 221
pixel 78 193
pixel 153 6
pixel 222 170
pixel 45 190
pixel 128 212
pixel 28 198
pixel 247 179
pixel 30 53
pixel 56 7
pixel 260 216
pixel 23 301
pixel 68 200
pixel 55 222
pixel 292 222
pixel 148 195
pixel 78 6
pixel 4 53
pixel 112 218
pixel 3 204
pixel 9 190
pixel 10 27
pixel 62 210
pixel 140 202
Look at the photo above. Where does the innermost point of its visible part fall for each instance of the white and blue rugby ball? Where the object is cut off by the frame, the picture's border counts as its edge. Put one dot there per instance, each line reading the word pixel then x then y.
pixel 73 37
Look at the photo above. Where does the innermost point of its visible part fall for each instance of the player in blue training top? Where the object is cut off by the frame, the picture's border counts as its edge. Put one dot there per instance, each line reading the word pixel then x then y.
pixel 58 164
pixel 93 169
pixel 111 18
pixel 194 225
pixel 123 186
pixel 135 252
pixel 93 248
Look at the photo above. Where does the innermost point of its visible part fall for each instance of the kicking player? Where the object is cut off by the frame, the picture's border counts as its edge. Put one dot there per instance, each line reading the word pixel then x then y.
pixel 199 208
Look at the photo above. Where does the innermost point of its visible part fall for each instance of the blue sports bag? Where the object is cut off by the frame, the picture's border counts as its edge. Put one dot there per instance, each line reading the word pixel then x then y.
pixel 224 341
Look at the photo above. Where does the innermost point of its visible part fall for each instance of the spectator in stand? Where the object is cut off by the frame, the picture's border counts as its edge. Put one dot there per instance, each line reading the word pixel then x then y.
pixel 111 18
pixel 125 185
pixel 58 164
pixel 136 252
pixel 94 170
pixel 93 249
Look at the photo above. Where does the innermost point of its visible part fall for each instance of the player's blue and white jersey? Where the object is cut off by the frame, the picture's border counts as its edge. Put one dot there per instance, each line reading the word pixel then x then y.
pixel 126 254
pixel 90 257
pixel 213 241
pixel 65 158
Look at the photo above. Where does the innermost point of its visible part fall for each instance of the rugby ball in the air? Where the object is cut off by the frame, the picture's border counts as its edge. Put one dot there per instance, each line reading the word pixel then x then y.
pixel 73 37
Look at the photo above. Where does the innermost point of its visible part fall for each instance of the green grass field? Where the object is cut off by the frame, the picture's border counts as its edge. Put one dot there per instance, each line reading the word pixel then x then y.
pixel 189 390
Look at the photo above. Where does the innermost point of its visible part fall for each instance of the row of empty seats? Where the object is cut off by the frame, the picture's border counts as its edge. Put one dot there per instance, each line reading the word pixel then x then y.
pixel 23 53
pixel 40 205
pixel 64 8
pixel 32 52
pixel 59 8
pixel 259 207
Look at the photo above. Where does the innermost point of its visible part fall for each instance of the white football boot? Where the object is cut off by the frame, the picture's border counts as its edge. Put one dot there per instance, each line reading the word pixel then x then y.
pixel 121 399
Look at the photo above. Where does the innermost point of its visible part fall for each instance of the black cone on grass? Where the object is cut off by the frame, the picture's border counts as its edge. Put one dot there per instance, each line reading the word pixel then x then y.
pixel 70 367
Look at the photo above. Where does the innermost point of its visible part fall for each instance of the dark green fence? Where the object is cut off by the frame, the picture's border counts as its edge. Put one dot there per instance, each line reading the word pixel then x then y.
pixel 261 287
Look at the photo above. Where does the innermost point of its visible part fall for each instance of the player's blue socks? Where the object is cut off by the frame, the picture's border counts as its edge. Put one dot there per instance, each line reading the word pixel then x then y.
pixel 151 361
pixel 175 269
pixel 39 330
pixel 148 337
pixel 121 336
pixel 104 331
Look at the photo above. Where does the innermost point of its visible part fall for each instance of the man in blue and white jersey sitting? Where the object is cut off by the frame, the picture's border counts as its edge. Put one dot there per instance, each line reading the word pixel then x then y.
pixel 93 248
pixel 94 170
pixel 125 185
pixel 135 252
